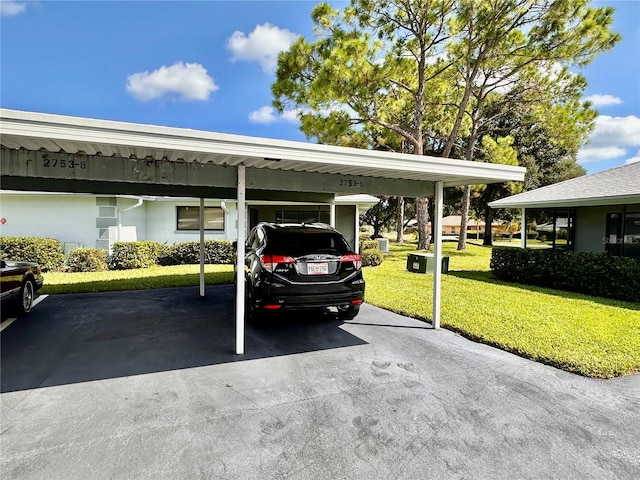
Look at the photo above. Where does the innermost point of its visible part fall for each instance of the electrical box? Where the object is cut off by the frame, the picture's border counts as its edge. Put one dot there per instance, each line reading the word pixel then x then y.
pixel 383 244
pixel 424 262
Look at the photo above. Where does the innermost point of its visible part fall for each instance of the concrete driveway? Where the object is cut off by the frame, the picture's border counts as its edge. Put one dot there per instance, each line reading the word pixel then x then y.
pixel 144 385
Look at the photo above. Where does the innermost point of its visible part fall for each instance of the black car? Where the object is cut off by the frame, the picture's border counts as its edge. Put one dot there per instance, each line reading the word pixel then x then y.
pixel 301 266
pixel 20 281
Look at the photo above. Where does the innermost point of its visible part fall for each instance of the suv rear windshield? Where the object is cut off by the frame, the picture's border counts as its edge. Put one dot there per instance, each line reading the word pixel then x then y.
pixel 299 242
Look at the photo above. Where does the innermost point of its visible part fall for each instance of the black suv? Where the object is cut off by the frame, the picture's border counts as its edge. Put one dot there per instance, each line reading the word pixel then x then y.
pixel 298 266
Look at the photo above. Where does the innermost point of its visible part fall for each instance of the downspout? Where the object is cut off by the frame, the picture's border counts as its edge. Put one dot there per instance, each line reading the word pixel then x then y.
pixel 132 207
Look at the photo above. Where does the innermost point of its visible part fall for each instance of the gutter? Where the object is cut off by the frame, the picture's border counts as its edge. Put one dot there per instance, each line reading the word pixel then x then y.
pixel 120 211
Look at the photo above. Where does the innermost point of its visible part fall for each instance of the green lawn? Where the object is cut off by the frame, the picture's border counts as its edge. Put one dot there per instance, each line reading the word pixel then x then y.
pixel 591 336
pixel 139 279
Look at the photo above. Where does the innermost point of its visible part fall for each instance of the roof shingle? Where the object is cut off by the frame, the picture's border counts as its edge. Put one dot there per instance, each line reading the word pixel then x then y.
pixel 620 185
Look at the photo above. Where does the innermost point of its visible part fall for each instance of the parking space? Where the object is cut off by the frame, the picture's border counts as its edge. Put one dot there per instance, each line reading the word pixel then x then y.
pixel 146 385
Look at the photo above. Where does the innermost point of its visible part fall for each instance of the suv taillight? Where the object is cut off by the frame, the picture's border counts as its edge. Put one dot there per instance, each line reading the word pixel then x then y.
pixel 270 262
pixel 352 257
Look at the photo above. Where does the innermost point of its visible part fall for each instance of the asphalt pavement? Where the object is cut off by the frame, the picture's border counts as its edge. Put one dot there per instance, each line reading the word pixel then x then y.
pixel 145 385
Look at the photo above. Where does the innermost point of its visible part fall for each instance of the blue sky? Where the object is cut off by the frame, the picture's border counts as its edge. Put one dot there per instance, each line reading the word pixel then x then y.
pixel 209 65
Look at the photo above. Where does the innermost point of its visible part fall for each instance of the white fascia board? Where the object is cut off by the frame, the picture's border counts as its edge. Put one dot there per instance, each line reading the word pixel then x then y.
pixel 29 193
pixel 87 134
pixel 577 202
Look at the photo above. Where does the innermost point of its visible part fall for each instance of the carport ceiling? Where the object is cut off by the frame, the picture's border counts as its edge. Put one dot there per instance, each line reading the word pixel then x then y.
pixel 35 132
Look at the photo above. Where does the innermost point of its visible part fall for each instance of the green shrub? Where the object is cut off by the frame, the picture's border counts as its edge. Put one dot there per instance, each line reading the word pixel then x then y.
pixel 475 235
pixel 371 257
pixel 369 245
pixel 186 253
pixel 87 260
pixel 531 235
pixel 550 235
pixel 364 237
pixel 597 274
pixel 47 252
pixel 128 255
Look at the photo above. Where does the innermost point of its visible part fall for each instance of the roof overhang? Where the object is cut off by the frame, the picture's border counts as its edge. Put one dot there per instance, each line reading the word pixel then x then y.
pixel 567 203
pixel 37 132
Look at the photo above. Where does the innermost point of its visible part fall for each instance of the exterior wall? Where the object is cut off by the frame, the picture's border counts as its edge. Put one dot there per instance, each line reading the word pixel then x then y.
pixel 92 220
pixel 591 228
pixel 133 218
pixel 67 218
pixel 591 225
pixel 345 223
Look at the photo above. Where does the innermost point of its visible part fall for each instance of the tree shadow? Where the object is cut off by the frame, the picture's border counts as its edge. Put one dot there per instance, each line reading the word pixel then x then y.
pixel 488 277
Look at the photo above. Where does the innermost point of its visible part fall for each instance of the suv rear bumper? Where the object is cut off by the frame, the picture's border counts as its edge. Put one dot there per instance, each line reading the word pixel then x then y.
pixel 309 296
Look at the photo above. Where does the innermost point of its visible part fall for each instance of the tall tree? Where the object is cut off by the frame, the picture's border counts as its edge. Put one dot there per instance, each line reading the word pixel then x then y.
pixel 369 71
pixel 508 49
pixel 420 70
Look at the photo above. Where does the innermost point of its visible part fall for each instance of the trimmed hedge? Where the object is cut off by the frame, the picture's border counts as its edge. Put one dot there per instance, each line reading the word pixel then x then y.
pixel 87 260
pixel 186 253
pixel 369 245
pixel 129 255
pixel 47 252
pixel 371 257
pixel 531 235
pixel 596 274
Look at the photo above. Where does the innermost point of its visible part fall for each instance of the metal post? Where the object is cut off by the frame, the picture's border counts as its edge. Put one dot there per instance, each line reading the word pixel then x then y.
pixel 437 255
pixel 523 228
pixel 240 261
pixel 356 235
pixel 332 214
pixel 202 247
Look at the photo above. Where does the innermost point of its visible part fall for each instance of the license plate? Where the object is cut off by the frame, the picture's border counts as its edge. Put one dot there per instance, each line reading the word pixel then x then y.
pixel 317 268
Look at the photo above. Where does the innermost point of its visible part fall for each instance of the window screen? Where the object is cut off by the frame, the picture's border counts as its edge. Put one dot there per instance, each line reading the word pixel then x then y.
pixel 188 218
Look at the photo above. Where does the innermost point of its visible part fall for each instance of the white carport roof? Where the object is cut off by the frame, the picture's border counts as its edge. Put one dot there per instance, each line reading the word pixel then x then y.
pixel 118 155
pixel 57 133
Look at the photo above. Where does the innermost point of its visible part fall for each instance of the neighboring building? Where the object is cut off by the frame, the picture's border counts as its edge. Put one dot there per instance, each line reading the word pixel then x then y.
pixel 451 226
pixel 90 221
pixel 600 212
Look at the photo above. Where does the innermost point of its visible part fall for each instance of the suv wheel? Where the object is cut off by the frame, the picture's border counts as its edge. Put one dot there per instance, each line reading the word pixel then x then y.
pixel 348 312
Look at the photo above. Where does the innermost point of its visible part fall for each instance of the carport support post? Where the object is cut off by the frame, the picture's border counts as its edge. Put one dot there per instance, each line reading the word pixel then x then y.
pixel 437 255
pixel 240 261
pixel 202 247
pixel 523 228
pixel 332 214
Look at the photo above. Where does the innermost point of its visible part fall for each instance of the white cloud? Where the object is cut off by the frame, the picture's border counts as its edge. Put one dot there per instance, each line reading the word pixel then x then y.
pixel 190 81
pixel 267 115
pixel 591 154
pixel 262 45
pixel 611 138
pixel 290 115
pixel 598 100
pixel 9 8
pixel 263 115
pixel 633 159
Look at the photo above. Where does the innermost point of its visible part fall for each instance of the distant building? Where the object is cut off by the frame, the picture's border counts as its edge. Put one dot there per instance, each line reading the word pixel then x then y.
pixel 600 212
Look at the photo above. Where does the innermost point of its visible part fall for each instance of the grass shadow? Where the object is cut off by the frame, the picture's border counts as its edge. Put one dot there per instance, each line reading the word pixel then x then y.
pixel 488 277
